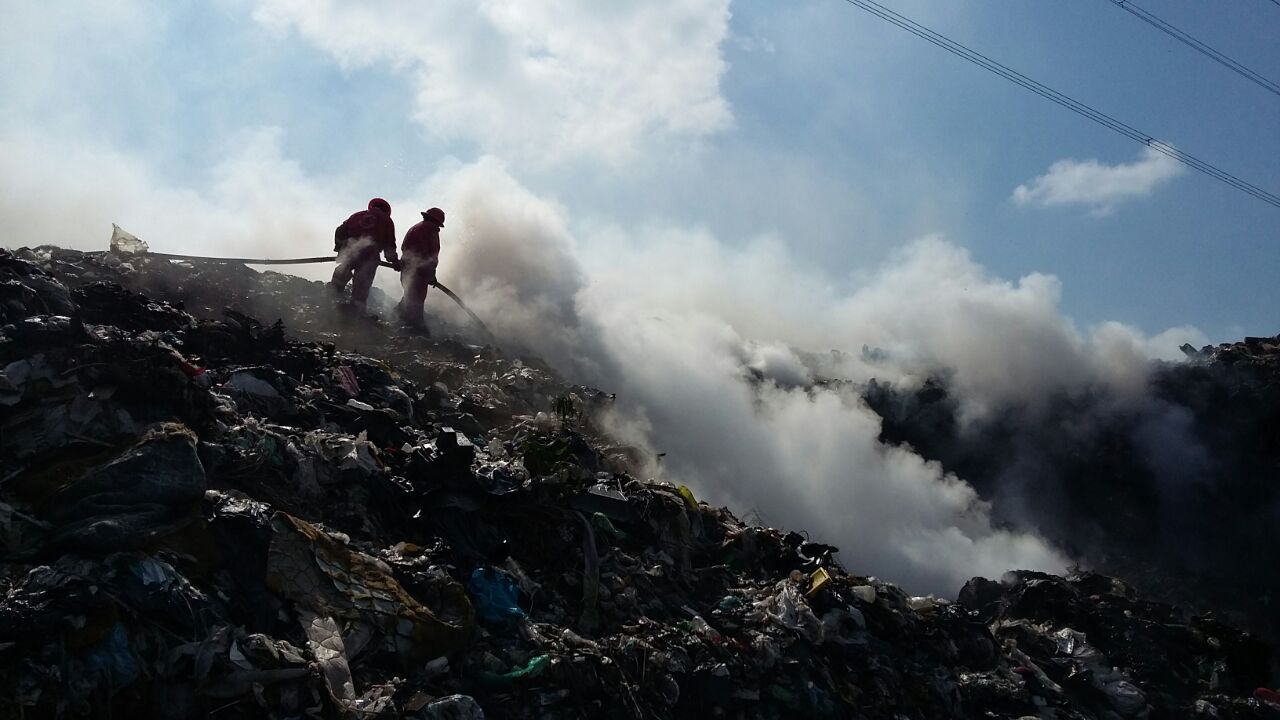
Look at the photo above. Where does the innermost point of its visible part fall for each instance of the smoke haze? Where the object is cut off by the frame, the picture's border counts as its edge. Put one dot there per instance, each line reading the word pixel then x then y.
pixel 702 342
pixel 712 348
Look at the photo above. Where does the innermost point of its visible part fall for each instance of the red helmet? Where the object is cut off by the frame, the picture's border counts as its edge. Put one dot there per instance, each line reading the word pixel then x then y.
pixel 436 215
pixel 380 204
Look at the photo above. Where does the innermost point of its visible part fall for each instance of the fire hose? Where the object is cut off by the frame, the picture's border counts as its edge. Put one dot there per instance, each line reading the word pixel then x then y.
pixel 305 261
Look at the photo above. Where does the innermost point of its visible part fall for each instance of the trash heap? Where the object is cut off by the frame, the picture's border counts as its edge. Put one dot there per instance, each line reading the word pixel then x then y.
pixel 1260 352
pixel 201 515
pixel 1177 493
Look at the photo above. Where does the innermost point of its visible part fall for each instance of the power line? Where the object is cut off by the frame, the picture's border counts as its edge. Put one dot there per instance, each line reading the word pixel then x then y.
pixel 1069 103
pixel 1196 45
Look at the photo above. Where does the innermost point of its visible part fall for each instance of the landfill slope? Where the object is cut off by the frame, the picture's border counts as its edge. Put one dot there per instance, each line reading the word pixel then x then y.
pixel 1178 492
pixel 204 514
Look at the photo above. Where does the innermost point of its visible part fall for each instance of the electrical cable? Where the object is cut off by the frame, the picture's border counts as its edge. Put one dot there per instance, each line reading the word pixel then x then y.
pixel 1054 96
pixel 1196 45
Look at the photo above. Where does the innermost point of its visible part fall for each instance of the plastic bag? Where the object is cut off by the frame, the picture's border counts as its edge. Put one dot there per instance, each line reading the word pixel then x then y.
pixel 788 609
pixel 126 242
pixel 113 661
pixel 495 594
pixel 454 707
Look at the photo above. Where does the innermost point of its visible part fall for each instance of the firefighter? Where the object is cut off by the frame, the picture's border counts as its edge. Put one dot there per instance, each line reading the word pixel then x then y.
pixel 421 252
pixel 358 240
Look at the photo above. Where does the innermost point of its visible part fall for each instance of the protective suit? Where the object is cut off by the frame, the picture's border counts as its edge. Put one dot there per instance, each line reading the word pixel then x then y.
pixel 358 240
pixel 421 251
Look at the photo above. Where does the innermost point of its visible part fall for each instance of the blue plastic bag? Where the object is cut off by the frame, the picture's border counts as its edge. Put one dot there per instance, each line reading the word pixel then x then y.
pixel 495 595
pixel 112 661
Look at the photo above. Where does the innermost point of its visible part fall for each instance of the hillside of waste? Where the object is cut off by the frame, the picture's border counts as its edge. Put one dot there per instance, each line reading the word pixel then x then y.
pixel 220 498
pixel 1178 492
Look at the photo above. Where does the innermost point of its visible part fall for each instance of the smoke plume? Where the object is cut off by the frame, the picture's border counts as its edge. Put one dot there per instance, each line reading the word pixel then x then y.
pixel 719 354
pixel 705 346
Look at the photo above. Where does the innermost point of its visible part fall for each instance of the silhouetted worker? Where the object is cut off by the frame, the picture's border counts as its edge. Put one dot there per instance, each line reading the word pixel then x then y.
pixel 421 251
pixel 358 240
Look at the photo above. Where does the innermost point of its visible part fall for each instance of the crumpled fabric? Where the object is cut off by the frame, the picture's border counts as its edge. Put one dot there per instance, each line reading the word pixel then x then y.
pixel 315 571
pixel 324 639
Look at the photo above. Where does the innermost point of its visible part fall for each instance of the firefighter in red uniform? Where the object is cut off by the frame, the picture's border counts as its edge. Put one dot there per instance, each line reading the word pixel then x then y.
pixel 421 251
pixel 358 240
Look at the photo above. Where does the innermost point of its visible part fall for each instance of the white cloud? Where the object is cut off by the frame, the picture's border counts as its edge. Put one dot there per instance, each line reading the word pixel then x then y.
pixel 539 82
pixel 58 57
pixel 755 43
pixel 1097 185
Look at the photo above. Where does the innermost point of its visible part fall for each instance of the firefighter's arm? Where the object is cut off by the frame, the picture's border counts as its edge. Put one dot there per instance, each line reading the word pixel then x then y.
pixel 392 259
pixel 389 244
pixel 389 252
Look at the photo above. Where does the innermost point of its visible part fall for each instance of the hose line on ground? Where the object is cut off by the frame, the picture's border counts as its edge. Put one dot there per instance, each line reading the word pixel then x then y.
pixel 306 261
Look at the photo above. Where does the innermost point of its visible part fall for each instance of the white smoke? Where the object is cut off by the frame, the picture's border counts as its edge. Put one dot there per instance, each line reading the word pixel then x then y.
pixel 414 263
pixel 717 350
pixel 778 364
pixel 700 340
pixel 355 247
pixel 256 203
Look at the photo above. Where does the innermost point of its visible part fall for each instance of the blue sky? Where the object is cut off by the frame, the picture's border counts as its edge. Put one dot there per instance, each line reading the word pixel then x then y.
pixel 840 136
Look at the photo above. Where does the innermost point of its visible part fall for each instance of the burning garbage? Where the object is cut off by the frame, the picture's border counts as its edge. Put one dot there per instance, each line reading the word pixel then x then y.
pixel 205 514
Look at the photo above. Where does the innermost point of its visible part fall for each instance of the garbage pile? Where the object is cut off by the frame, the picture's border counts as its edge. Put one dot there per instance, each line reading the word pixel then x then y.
pixel 1176 492
pixel 1261 352
pixel 201 515
pixel 205 289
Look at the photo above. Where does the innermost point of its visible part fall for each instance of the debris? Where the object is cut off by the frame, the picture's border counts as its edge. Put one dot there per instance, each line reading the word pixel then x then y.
pixel 788 609
pixel 145 493
pixel 454 707
pixel 125 243
pixel 325 642
pixel 316 571
pixel 301 530
pixel 865 593
pixel 818 580
pixel 495 595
